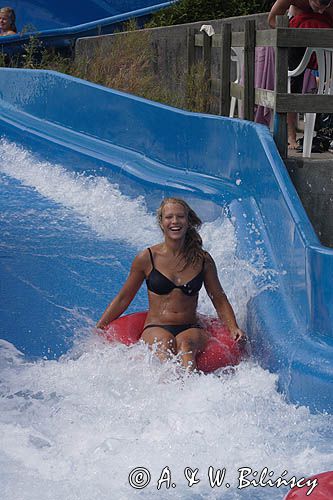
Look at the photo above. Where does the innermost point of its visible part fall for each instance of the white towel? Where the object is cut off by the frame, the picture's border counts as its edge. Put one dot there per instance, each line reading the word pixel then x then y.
pixel 208 28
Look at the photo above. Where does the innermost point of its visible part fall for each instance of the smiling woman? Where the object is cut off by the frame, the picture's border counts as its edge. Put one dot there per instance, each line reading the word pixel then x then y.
pixel 175 271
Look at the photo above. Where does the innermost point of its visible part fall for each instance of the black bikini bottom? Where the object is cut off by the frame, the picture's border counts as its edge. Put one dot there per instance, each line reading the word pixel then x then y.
pixel 175 329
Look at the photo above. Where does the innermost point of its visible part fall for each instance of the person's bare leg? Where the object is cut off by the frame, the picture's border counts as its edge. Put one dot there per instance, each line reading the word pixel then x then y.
pixel 188 344
pixel 292 122
pixel 164 341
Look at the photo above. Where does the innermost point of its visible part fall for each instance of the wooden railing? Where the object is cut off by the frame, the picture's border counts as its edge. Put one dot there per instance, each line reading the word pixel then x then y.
pixel 278 99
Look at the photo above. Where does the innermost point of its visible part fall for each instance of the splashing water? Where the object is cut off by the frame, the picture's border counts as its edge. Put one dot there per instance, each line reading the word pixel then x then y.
pixel 76 427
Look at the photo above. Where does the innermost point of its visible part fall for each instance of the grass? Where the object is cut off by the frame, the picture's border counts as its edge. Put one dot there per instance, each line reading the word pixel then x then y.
pixel 129 67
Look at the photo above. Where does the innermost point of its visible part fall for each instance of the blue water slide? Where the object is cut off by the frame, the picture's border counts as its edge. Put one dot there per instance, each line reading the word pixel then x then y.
pixel 59 24
pixel 60 14
pixel 221 161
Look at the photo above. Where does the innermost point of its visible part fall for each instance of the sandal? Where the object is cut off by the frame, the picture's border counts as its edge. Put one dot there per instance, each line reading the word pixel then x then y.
pixel 320 144
pixel 299 148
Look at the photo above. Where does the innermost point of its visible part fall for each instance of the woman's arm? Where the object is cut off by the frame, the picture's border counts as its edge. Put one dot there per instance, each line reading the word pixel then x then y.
pixel 220 301
pixel 279 8
pixel 125 296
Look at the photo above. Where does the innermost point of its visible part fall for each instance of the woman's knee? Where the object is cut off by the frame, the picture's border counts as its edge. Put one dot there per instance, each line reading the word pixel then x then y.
pixel 191 342
pixel 161 339
pixel 185 345
pixel 166 343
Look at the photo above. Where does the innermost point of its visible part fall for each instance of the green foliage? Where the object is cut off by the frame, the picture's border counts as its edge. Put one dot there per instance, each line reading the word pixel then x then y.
pixel 37 56
pixel 130 25
pixel 32 51
pixel 198 96
pixel 51 59
pixel 2 59
pixel 28 28
pixel 188 11
pixel 127 66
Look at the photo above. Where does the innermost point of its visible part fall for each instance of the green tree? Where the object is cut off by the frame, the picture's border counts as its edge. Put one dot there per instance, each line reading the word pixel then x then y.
pixel 188 11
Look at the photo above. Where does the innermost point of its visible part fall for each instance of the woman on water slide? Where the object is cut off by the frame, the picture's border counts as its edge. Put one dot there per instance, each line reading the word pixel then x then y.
pixel 174 271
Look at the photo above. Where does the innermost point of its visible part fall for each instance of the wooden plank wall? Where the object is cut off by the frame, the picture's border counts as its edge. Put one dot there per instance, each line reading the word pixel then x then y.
pixel 278 99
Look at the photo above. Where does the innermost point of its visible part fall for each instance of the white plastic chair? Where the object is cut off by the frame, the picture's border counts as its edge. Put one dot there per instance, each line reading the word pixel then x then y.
pixel 325 86
pixel 238 58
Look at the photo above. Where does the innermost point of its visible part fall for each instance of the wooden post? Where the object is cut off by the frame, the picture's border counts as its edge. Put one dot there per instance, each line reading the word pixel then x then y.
pixel 190 59
pixel 207 54
pixel 207 61
pixel 190 49
pixel 249 60
pixel 280 133
pixel 224 107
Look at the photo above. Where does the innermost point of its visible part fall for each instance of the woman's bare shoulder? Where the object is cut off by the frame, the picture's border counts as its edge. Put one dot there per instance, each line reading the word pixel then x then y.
pixel 208 258
pixel 143 260
pixel 155 250
pixel 157 247
pixel 209 266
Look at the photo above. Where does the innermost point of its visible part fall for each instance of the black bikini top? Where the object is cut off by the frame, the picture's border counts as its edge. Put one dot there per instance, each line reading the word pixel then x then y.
pixel 161 285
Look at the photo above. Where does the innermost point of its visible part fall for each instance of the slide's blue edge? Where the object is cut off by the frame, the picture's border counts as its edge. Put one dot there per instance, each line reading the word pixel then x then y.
pixel 65 37
pixel 290 320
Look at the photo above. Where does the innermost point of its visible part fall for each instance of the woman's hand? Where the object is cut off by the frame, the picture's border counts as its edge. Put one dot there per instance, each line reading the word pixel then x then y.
pixel 238 334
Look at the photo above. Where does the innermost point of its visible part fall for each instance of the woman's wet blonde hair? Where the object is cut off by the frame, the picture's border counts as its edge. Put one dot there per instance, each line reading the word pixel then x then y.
pixel 12 17
pixel 192 250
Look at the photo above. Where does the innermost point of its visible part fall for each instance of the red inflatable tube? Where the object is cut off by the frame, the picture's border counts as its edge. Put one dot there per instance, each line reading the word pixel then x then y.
pixel 221 350
pixel 323 490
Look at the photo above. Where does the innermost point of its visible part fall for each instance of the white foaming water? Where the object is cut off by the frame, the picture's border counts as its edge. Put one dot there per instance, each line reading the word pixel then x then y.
pixel 95 199
pixel 76 427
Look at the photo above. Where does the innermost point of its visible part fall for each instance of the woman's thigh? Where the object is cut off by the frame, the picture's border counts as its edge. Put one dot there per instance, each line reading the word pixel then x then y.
pixel 159 336
pixel 193 338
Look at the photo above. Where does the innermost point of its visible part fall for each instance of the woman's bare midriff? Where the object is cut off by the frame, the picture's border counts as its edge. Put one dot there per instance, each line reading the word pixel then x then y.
pixel 172 309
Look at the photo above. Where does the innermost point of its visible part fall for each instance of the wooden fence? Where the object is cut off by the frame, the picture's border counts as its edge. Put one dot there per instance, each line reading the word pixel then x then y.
pixel 278 99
